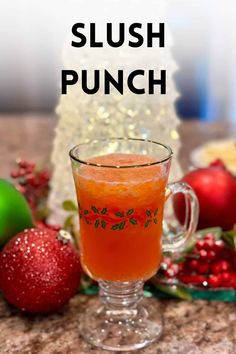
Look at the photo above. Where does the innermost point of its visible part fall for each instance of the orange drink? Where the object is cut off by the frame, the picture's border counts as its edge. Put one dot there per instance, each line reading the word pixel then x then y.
pixel 121 188
pixel 121 212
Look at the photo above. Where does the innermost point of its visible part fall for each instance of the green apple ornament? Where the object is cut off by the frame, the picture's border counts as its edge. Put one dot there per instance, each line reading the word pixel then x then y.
pixel 15 214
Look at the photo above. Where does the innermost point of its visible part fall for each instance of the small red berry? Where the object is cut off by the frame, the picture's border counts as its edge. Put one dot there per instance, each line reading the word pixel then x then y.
pixel 211 255
pixel 214 281
pixel 218 246
pixel 193 264
pixel 200 245
pixel 22 172
pixel 225 265
pixel 215 268
pixel 192 279
pixel 35 182
pixel 29 169
pixel 30 178
pixel 172 270
pixel 15 174
pixel 181 267
pixel 220 266
pixel 175 267
pixel 233 280
pixel 22 163
pixel 208 244
pixel 209 236
pixel 203 254
pixel 44 176
pixel 203 267
pixel 234 259
pixel 169 273
pixel 225 278
pixel 187 265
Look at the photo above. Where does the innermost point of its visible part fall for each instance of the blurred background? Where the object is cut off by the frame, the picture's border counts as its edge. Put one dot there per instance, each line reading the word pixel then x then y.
pixel 33 33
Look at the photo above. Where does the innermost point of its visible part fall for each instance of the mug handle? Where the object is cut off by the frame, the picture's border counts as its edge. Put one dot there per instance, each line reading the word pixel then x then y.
pixel 175 242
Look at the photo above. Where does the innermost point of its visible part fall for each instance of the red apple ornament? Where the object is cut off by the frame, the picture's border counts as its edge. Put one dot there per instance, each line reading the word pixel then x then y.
pixel 215 188
pixel 39 270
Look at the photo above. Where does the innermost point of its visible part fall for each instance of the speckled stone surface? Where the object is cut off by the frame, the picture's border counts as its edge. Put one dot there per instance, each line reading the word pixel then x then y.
pixel 190 327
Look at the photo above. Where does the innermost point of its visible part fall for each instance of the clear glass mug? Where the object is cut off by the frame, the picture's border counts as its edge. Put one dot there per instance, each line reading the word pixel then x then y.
pixel 121 187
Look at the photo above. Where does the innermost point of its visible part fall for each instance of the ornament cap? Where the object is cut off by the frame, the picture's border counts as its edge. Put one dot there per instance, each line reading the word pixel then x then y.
pixel 64 236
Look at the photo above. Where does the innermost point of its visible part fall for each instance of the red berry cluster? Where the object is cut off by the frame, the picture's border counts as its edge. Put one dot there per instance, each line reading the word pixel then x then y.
pixel 211 264
pixel 44 225
pixel 32 183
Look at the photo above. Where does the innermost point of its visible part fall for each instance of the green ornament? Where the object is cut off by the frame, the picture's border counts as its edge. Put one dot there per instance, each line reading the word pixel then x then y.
pixel 15 214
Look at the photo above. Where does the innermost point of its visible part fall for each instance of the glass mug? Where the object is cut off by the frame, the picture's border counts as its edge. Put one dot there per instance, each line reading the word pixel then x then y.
pixel 121 187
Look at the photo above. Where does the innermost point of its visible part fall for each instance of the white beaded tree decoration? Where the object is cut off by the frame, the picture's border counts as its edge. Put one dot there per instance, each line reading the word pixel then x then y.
pixel 84 117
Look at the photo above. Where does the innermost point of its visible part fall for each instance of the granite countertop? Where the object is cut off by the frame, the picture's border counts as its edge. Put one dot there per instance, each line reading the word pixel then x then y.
pixel 189 327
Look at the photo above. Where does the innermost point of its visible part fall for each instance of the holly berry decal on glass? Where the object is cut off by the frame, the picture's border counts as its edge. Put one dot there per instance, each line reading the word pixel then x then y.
pixel 117 220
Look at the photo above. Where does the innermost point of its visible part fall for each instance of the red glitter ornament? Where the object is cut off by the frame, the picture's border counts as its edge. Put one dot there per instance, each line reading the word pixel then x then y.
pixel 39 270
